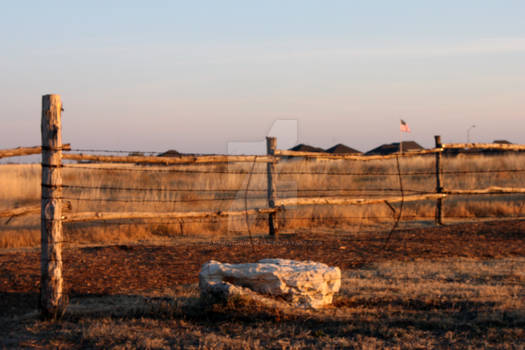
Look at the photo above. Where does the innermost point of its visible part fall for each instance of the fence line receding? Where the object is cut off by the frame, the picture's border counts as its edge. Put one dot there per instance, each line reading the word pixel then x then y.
pixel 55 210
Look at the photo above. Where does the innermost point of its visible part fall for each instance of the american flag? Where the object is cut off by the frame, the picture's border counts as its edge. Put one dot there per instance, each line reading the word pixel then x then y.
pixel 404 126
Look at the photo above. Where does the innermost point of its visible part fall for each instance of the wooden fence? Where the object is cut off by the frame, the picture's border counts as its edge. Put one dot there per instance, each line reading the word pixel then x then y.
pixel 54 213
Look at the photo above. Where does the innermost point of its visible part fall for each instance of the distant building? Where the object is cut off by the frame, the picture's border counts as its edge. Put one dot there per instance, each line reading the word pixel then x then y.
pixel 306 148
pixel 136 154
pixel 170 153
pixel 495 152
pixel 481 151
pixel 342 149
pixel 408 146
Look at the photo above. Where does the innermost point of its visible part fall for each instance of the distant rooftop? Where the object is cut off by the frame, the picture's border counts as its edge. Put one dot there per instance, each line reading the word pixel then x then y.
pixel 170 153
pixel 342 149
pixel 306 148
pixel 408 146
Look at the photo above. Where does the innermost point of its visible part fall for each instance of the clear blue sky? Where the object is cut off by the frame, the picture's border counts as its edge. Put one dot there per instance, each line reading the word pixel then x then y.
pixel 196 75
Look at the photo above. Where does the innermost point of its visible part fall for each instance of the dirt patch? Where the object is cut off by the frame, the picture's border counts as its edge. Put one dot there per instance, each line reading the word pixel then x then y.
pixel 447 287
pixel 133 269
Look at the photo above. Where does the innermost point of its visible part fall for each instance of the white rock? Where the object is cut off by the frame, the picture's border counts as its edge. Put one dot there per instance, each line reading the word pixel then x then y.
pixel 303 283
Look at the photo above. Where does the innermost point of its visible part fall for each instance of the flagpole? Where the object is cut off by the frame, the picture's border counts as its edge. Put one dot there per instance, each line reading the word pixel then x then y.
pixel 400 141
pixel 402 128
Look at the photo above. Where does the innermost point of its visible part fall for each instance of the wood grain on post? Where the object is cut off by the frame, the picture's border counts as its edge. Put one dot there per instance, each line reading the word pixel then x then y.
pixel 439 182
pixel 52 300
pixel 271 145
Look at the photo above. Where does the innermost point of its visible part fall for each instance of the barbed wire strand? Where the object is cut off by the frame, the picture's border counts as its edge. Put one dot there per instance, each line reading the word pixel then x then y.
pixel 237 198
pixel 396 223
pixel 246 216
pixel 174 221
pixel 82 150
pixel 159 189
pixel 196 200
pixel 166 168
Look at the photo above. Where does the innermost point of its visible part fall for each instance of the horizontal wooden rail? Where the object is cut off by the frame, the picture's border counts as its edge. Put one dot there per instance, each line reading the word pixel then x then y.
pixel 104 216
pixel 26 151
pixel 33 209
pixel 489 190
pixel 484 146
pixel 168 160
pixel 321 155
pixel 354 201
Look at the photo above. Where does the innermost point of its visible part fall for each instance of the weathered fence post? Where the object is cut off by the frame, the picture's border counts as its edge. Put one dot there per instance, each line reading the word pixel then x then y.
pixel 439 181
pixel 52 298
pixel 271 144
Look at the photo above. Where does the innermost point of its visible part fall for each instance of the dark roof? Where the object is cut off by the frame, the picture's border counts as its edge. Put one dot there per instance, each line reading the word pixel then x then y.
pixel 135 154
pixel 306 148
pixel 408 146
pixel 170 153
pixel 340 148
pixel 484 151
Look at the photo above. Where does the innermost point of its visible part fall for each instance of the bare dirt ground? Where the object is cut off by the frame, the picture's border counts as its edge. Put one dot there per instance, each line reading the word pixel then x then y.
pixel 144 268
pixel 138 268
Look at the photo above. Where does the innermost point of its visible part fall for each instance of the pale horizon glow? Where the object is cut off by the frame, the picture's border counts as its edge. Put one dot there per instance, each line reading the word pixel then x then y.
pixel 200 78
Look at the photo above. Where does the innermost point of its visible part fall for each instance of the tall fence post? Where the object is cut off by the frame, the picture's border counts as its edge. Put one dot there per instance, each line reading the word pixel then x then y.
pixel 271 145
pixel 439 183
pixel 52 299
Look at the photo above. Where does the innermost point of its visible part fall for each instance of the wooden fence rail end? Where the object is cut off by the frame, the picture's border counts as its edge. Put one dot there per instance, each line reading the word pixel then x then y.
pixel 26 151
pixel 33 209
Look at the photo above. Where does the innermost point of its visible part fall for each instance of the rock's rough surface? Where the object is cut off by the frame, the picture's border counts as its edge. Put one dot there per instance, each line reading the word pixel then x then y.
pixel 304 283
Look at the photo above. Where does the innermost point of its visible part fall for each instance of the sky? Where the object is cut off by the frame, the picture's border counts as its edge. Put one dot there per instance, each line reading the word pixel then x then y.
pixel 201 76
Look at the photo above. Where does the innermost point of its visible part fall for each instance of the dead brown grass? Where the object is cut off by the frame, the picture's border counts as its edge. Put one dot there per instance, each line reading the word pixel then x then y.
pixel 446 303
pixel 20 186
pixel 457 286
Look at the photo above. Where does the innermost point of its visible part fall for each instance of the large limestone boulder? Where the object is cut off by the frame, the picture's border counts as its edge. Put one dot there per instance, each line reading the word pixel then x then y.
pixel 302 283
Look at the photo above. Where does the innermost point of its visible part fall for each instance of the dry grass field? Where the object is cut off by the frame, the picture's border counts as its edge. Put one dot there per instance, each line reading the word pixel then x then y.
pixel 133 284
pixel 128 188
